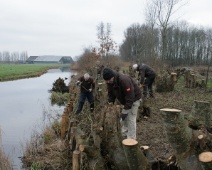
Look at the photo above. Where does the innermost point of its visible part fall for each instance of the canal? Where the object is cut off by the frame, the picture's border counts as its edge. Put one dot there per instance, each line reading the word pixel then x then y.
pixel 22 107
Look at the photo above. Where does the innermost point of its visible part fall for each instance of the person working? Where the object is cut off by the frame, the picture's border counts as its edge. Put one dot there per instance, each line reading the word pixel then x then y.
pixel 125 89
pixel 147 78
pixel 99 68
pixel 87 85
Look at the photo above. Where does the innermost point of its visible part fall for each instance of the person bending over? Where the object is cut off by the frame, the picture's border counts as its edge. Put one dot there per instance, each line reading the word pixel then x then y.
pixel 128 93
pixel 87 85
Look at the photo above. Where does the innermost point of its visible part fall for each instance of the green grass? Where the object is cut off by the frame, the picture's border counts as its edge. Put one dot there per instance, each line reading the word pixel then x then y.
pixel 209 84
pixel 18 71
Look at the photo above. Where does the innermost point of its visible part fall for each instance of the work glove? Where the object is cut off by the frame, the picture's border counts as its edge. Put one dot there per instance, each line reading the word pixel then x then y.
pixel 90 90
pixel 78 83
pixel 110 103
pixel 141 85
pixel 124 114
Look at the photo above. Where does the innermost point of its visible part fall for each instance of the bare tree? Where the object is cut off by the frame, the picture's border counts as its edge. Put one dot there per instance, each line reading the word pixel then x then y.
pixel 107 45
pixel 160 12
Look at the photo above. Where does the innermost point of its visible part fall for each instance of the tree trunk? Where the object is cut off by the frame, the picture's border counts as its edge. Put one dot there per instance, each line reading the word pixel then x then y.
pixel 134 155
pixel 200 116
pixel 76 160
pixel 180 137
pixel 206 158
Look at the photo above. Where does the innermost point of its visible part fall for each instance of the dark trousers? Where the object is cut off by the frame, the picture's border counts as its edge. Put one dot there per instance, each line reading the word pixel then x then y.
pixel 148 83
pixel 83 96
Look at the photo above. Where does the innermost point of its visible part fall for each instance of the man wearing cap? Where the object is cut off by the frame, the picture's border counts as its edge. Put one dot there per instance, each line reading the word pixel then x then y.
pixel 87 85
pixel 147 78
pixel 125 89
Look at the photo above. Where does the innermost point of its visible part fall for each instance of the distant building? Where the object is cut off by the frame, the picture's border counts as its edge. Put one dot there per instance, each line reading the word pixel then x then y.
pixel 47 59
pixel 31 59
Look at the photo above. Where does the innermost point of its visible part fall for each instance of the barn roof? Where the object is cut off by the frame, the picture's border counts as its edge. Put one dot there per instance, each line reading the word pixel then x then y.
pixel 32 58
pixel 50 58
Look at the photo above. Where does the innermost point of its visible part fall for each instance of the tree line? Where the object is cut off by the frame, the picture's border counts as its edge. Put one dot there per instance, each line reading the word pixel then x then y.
pixel 14 57
pixel 185 45
pixel 164 38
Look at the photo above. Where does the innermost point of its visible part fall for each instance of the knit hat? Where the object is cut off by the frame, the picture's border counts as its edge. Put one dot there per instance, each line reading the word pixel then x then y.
pixel 108 74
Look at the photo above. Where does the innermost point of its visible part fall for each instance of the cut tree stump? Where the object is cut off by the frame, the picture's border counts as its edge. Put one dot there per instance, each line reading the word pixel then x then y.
pixel 76 160
pixel 206 158
pixel 180 138
pixel 200 116
pixel 135 157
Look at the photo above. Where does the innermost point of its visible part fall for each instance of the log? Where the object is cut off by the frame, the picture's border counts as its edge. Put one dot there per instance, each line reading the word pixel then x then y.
pixel 203 84
pixel 148 154
pixel 206 158
pixel 95 160
pixel 70 107
pixel 64 125
pixel 174 77
pixel 145 150
pixel 80 137
pixel 91 151
pixel 111 138
pixel 76 160
pixel 180 137
pixel 193 80
pixel 202 142
pixel 72 141
pixel 135 157
pixel 178 134
pixel 200 115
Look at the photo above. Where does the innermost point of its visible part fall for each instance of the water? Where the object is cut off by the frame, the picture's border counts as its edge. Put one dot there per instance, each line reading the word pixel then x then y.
pixel 22 103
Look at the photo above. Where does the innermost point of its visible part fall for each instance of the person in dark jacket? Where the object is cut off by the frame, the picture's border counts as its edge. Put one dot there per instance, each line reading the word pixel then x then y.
pixel 99 68
pixel 125 89
pixel 87 86
pixel 147 77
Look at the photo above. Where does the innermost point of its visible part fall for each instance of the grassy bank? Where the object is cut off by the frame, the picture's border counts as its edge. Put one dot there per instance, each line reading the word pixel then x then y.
pixel 19 71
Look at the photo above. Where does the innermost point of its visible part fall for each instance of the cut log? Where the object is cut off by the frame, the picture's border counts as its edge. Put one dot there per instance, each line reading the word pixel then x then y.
pixel 149 155
pixel 206 158
pixel 202 142
pixel 76 160
pixel 200 115
pixel 180 137
pixel 64 124
pixel 70 107
pixel 95 160
pixel 111 138
pixel 135 157
pixel 91 151
pixel 174 77
pixel 178 134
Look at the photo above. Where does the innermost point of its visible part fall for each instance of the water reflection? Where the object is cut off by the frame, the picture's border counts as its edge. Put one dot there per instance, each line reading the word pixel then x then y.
pixel 22 103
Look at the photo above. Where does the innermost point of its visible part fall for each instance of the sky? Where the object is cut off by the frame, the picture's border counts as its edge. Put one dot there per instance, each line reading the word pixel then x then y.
pixel 66 27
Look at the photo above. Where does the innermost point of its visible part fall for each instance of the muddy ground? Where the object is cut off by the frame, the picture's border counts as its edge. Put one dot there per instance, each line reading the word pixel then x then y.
pixel 150 131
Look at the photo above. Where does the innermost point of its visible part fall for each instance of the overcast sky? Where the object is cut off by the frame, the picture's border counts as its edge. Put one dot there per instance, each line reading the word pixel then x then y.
pixel 66 27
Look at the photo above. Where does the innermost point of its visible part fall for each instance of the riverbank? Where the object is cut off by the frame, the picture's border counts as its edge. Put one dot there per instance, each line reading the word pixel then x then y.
pixel 20 71
pixel 55 139
pixel 26 104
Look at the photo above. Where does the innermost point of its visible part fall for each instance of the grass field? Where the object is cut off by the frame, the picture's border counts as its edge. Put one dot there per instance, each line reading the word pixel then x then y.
pixel 18 71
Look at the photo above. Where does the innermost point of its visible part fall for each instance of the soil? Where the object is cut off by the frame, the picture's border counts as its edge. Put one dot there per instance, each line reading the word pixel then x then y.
pixel 150 130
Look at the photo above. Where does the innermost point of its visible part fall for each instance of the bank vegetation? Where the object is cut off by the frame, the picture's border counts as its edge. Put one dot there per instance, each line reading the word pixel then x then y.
pixel 20 71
